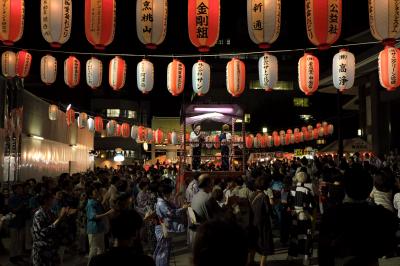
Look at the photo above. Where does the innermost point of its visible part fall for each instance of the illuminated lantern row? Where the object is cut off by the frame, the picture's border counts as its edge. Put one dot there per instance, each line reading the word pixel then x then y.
pixel 176 77
pixel 111 128
pixel 125 130
pixel 134 132
pixel 235 77
pixel 389 69
pixel 90 125
pixel 12 14
pixel 53 110
pixel 94 72
pixel 100 22
pixel 201 78
pixel 72 71
pixel 264 21
pixel 117 73
pixel 98 124
pixel 48 69
pixel 82 120
pixel 158 136
pixel 268 71
pixel 203 23
pixel 151 21
pixel 343 70
pixel 384 19
pixel 56 21
pixel 8 64
pixel 323 21
pixel 23 64
pixel 308 69
pixel 70 116
pixel 145 75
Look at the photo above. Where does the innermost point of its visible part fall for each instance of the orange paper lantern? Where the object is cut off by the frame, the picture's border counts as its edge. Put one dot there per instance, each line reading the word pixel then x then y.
pixel 308 70
pixel 117 73
pixel 98 124
pixel 389 68
pixel 235 77
pixel 158 136
pixel 125 130
pixel 176 77
pixel 23 64
pixel 249 141
pixel 12 21
pixel 70 116
pixel 72 71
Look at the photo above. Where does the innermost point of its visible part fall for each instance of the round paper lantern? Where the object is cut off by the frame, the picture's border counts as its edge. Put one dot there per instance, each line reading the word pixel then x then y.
pixel 94 72
pixel 141 134
pixel 117 73
pixel 48 69
pixel 309 128
pixel 315 133
pixel 201 78
pixel 72 71
pixel 343 68
pixel 203 23
pixel 235 77
pixel 389 70
pixel 323 22
pixel 324 124
pixel 149 135
pixel 277 141
pixel 158 136
pixel 307 135
pixel 282 133
pixel 318 125
pixel 292 139
pixel 275 133
pixel 297 137
pixel 12 20
pixel 257 141
pixel 268 71
pixel 321 131
pixel 56 21
pixel 111 128
pixel 330 129
pixel 174 138
pixel 176 77
pixel 289 131
pixel 8 64
pixel 384 19
pixel 134 132
pixel 249 141
pixel 118 131
pixel 151 21
pixel 70 116
pixel 326 130
pixel 145 75
pixel 90 125
pixel 263 141
pixel 125 130
pixel 264 21
pixel 287 138
pixel 53 110
pixel 308 69
pixel 270 141
pixel 23 63
pixel 98 124
pixel 82 120
pixel 304 129
pixel 296 130
pixel 100 22
pixel 217 143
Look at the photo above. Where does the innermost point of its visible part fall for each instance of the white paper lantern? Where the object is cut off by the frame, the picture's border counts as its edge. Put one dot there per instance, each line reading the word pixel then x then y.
pixel 90 125
pixel 268 71
pixel 53 110
pixel 111 128
pixel 343 69
pixel 82 120
pixel 145 76
pixel 94 72
pixel 201 77
pixel 56 21
pixel 384 19
pixel 174 138
pixel 134 132
pixel 8 64
pixel 48 69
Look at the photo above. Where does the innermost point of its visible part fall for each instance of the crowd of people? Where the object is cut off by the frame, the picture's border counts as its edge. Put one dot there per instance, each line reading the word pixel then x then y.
pixel 349 209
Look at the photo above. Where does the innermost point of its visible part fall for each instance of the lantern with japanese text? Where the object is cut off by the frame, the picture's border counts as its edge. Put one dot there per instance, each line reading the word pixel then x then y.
pixel 149 135
pixel 158 136
pixel 117 73
pixel 308 69
pixel 249 141
pixel 48 69
pixel 141 134
pixel 118 131
pixel 98 124
pixel 111 128
pixel 203 23
pixel 389 69
pixel 145 75
pixel 176 77
pixel 94 72
pixel 90 125
pixel 201 78
pixel 12 14
pixel 23 64
pixel 8 64
pixel 70 116
pixel 268 71
pixel 56 21
pixel 151 21
pixel 72 71
pixel 330 129
pixel 264 21
pixel 384 19
pixel 134 132
pixel 100 22
pixel 217 142
pixel 82 120
pixel 125 130
pixel 235 77
pixel 343 68
pixel 323 22
pixel 53 110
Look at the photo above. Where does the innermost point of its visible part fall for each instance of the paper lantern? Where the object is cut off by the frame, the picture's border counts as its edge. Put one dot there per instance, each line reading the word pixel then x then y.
pixel 217 143
pixel 94 72
pixel 176 77
pixel 23 64
pixel 321 131
pixel 111 128
pixel 125 130
pixel 330 129
pixel 145 75
pixel 48 69
pixel 287 138
pixel 270 141
pixel 289 131
pixel 309 128
pixel 326 130
pixel 235 77
pixel 263 141
pixel 249 141
pixel 118 130
pixel 98 124
pixel 307 135
pixel 275 133
pixel 384 19
pixel 82 120
pixel 389 69
pixel 149 135
pixel 203 23
pixel 239 141
pixel 323 22
pixel 100 22
pixel 70 116
pixel 343 70
pixel 158 136
pixel 201 78
pixel 90 125
pixel 53 110
pixel 12 20
pixel 277 141
pixel 304 129
pixel 318 125
pixel 315 133
pixel 324 124
pixel 141 137
pixel 56 21
pixel 297 137
pixel 264 21
pixel 8 64
pixel 292 139
pixel 268 71
pixel 151 21
pixel 72 71
pixel 296 130
pixel 117 73
pixel 134 132
pixel 282 133
pixel 257 141
pixel 308 70
pixel 173 138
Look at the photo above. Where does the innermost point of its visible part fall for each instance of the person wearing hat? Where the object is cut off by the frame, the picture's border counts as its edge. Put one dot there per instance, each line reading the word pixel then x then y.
pixel 225 139
pixel 196 138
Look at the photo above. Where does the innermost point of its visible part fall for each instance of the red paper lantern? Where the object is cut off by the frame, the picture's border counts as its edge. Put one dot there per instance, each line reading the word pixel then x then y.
pixel 72 71
pixel 389 69
pixel 287 138
pixel 318 125
pixel 277 141
pixel 203 23
pixel 289 131
pixel 315 133
pixel 117 73
pixel 308 70
pixel 249 141
pixel 176 77
pixel 275 133
pixel 235 77
pixel 297 137
pixel 98 124
pixel 158 136
pixel 141 134
pixel 118 130
pixel 70 116
pixel 263 141
pixel 12 21
pixel 125 130
pixel 23 64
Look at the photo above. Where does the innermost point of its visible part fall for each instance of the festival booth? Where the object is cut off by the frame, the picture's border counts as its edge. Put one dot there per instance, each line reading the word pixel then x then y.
pixel 350 146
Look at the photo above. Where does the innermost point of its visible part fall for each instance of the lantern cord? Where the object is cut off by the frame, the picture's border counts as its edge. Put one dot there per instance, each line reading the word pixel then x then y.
pixel 191 55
